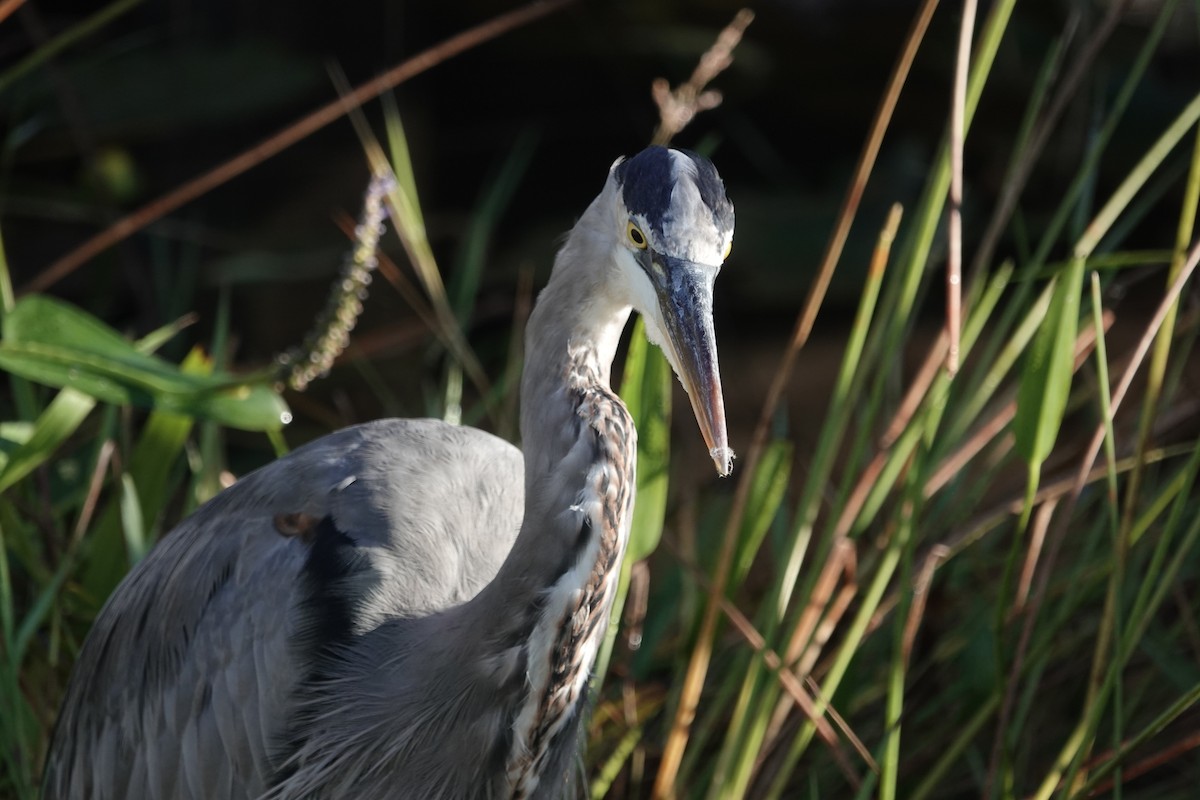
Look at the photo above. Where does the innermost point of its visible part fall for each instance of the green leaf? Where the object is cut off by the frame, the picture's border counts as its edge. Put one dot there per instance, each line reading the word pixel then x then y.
pixel 121 536
pixel 56 344
pixel 12 436
pixel 248 407
pixel 406 209
pixel 41 319
pixel 485 218
pixel 60 419
pixel 767 489
pixel 646 390
pixel 36 615
pixel 155 339
pixel 1046 379
pixel 132 522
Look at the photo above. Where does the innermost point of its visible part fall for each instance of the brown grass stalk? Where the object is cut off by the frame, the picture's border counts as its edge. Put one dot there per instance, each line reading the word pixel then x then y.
pixel 954 228
pixel 1142 766
pixel 916 611
pixel 7 7
pixel 1037 538
pixel 841 565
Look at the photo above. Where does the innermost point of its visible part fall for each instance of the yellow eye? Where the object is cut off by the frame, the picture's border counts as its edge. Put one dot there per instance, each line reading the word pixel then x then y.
pixel 728 249
pixel 636 237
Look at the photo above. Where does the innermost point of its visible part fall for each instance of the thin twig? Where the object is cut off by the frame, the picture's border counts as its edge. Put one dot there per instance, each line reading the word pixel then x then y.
pixel 903 415
pixel 957 125
pixel 273 145
pixel 916 393
pixel 677 108
pixel 103 457
pixel 1037 537
pixel 920 594
pixel 7 7
pixel 1139 768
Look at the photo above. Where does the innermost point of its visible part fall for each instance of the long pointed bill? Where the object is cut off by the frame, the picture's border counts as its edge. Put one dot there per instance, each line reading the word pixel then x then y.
pixel 685 293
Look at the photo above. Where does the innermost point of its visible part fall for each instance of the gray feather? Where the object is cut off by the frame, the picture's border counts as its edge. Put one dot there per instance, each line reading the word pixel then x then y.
pixel 213 669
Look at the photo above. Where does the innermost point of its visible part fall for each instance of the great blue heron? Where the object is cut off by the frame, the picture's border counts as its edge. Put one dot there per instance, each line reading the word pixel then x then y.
pixel 386 612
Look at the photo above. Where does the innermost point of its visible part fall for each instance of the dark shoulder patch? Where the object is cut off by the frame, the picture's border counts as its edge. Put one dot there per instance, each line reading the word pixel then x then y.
pixel 327 612
pixel 646 183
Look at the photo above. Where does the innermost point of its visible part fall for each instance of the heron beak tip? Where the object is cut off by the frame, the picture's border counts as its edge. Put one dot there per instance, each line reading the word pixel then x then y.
pixel 723 458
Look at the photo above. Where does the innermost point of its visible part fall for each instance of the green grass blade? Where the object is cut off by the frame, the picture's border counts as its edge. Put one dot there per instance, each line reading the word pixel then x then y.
pixel 155 339
pixel 897 672
pixel 61 418
pixel 646 390
pixel 133 524
pixel 8 614
pixel 485 218
pixel 66 39
pixel 113 545
pixel 767 489
pixel 41 607
pixel 1046 379
pixel 406 213
pixel 410 227
pixel 53 343
pixel 1185 702
pixel 608 772
pixel 1137 178
pixel 737 749
pixel 1111 624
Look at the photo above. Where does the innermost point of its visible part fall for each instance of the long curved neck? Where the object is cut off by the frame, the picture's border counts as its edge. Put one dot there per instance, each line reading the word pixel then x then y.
pixel 574 429
pixel 546 611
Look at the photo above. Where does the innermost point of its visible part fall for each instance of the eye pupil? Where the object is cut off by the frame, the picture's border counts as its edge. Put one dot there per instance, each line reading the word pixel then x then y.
pixel 636 236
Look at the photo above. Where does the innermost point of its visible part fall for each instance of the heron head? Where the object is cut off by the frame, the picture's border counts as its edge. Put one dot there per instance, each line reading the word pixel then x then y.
pixel 673 229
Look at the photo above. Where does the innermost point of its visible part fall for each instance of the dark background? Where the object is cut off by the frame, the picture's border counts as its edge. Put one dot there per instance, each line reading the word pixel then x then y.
pixel 171 89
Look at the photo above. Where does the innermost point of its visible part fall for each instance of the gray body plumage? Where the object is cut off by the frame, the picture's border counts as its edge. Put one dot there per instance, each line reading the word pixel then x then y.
pixel 187 686
pixel 391 611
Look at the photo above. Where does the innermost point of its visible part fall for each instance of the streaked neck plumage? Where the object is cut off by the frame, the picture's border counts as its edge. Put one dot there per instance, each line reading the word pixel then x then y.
pixel 550 602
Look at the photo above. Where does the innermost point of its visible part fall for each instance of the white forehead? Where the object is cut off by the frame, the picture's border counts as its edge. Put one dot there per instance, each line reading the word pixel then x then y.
pixel 688 228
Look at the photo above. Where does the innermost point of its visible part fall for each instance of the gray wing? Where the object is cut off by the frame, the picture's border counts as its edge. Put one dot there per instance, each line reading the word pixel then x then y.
pixel 187 680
